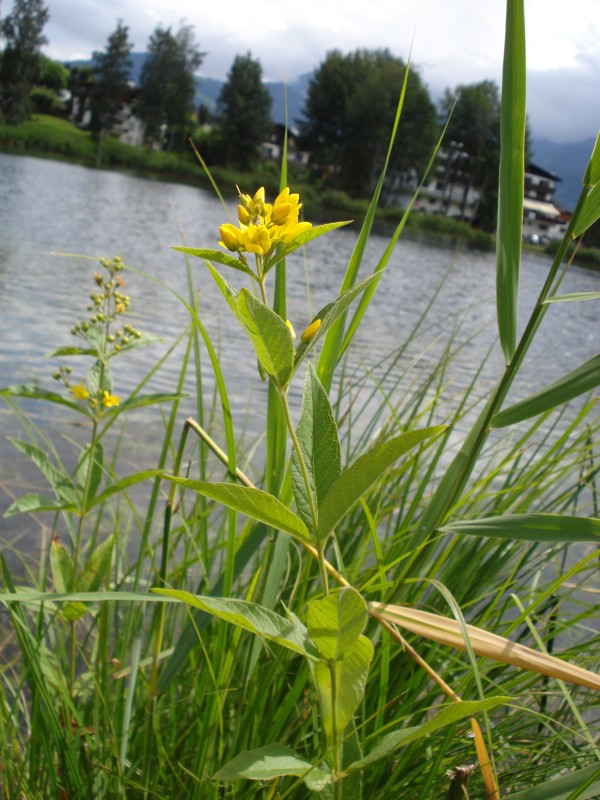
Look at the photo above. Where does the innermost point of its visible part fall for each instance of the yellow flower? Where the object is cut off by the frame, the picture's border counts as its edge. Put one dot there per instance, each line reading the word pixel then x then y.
pixel 80 392
pixel 230 237
pixel 309 334
pixel 110 400
pixel 256 239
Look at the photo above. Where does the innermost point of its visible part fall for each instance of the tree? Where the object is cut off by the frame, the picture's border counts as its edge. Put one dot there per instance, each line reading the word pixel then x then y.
pixel 20 65
pixel 53 75
pixel 349 114
pixel 244 110
pixel 168 84
pixel 474 129
pixel 111 71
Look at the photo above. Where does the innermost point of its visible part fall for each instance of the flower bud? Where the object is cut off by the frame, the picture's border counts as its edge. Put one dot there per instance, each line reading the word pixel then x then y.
pixel 243 215
pixel 291 328
pixel 309 334
pixel 230 237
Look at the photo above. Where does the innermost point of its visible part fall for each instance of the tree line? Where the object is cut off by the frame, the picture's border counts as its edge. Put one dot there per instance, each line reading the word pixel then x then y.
pixel 347 117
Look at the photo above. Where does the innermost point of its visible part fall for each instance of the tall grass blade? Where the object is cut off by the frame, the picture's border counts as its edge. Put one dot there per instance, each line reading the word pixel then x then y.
pixel 512 176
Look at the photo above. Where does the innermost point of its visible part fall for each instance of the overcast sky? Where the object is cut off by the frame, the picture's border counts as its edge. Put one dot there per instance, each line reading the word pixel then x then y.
pixel 455 41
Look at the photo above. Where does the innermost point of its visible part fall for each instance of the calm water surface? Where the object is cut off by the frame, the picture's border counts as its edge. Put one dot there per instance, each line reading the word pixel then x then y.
pixel 48 208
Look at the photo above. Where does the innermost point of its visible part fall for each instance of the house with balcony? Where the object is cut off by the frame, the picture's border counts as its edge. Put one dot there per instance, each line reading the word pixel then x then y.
pixel 542 220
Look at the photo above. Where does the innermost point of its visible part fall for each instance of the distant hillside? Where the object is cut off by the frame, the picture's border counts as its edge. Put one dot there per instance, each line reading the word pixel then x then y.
pixel 568 161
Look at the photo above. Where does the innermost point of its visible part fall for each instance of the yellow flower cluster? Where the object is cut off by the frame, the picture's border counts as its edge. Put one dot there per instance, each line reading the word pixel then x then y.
pixel 264 226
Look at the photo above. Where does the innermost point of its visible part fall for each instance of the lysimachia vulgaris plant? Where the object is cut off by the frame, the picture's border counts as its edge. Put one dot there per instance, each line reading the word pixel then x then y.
pixel 84 564
pixel 330 634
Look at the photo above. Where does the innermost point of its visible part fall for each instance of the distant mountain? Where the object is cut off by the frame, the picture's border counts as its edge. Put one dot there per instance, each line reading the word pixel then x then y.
pixel 568 161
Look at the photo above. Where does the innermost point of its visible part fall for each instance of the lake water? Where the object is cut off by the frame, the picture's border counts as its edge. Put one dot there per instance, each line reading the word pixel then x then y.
pixel 49 208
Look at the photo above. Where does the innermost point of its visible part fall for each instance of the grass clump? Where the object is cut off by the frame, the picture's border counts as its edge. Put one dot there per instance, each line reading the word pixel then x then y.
pixel 374 613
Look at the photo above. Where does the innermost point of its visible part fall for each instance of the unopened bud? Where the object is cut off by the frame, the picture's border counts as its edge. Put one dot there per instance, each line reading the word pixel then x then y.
pixel 309 334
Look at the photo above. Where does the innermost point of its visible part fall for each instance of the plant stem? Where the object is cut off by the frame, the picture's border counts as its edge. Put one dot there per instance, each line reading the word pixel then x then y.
pixel 311 500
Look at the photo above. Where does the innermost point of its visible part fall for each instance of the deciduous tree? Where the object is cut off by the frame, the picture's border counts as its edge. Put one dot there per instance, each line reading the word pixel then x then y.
pixel 111 72
pixel 349 114
pixel 20 64
pixel 244 110
pixel 168 83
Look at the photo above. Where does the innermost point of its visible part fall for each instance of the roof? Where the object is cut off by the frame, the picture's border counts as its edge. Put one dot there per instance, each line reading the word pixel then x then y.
pixel 533 169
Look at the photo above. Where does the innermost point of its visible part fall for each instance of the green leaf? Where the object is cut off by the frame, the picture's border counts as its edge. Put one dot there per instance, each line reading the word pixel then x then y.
pixel 512 176
pixel 273 761
pixel 143 400
pixel 124 483
pixel 350 681
pixel 447 716
pixel 584 784
pixel 566 298
pixel 336 622
pixel 270 336
pixel 98 379
pixel 304 238
pixel 33 502
pixel 61 567
pixel 136 341
pixel 220 256
pixel 589 212
pixel 61 483
pixel 83 467
pixel 35 393
pixel 97 567
pixel 592 173
pixel 335 625
pixel 319 443
pixel 252 502
pixel 228 292
pixel 531 528
pixel 61 352
pixel 347 490
pixel 329 314
pixel 289 633
pixel 583 379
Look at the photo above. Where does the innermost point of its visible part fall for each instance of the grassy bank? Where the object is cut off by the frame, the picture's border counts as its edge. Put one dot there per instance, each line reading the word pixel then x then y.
pixel 51 137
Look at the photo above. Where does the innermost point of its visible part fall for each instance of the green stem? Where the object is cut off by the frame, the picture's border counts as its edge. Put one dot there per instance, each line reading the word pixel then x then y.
pixel 311 500
pixel 162 575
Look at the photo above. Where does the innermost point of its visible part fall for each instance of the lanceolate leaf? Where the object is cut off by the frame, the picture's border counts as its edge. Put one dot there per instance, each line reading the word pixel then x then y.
pixel 350 681
pixel 289 633
pixel 447 716
pixel 273 761
pixel 143 400
pixel 318 438
pixel 329 314
pixel 35 393
pixel 97 567
pixel 61 483
pixel 449 632
pixel 31 503
pixel 575 383
pixel 220 256
pixel 228 292
pixel 304 238
pixel 270 336
pixel 584 784
pixel 336 622
pixel 531 528
pixel 576 296
pixel 89 471
pixel 590 211
pixel 252 502
pixel 124 483
pixel 512 174
pixel 347 490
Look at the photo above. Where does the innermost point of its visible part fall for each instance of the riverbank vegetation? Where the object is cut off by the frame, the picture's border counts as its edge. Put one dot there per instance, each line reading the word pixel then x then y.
pixel 389 593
